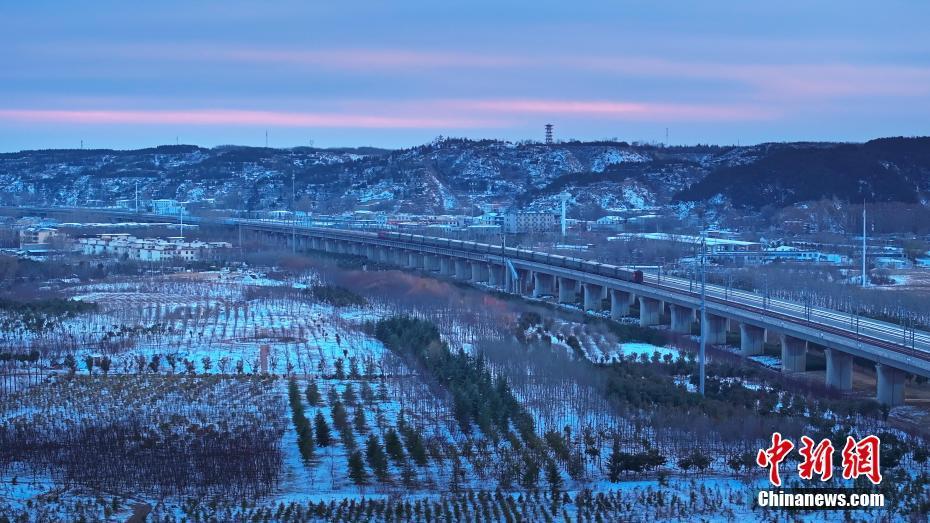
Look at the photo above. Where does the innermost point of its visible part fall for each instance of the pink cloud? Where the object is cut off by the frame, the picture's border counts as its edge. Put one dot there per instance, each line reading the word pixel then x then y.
pixel 758 80
pixel 408 114
pixel 616 110
pixel 790 80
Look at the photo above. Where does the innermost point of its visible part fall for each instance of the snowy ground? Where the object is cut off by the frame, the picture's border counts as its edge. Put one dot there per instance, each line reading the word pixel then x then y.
pixel 232 323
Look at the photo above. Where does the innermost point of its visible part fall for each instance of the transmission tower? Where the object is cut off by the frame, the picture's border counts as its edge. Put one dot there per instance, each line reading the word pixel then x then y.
pixel 548 134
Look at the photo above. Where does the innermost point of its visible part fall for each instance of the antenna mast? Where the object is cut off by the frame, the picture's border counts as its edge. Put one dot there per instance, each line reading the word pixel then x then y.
pixel 549 134
pixel 701 355
pixel 865 282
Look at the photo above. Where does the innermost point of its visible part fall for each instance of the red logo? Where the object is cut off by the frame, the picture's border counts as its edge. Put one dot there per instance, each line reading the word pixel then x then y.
pixel 817 460
pixel 860 458
pixel 773 456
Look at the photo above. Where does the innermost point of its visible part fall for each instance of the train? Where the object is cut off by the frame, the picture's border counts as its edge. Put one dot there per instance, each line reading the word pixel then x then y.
pixel 588 266
pixel 603 269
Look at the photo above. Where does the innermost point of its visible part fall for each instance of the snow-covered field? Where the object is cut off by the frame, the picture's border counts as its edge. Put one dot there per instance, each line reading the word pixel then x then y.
pixel 199 359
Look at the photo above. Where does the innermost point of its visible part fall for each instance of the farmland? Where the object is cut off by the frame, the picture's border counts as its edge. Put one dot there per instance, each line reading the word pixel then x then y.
pixel 303 389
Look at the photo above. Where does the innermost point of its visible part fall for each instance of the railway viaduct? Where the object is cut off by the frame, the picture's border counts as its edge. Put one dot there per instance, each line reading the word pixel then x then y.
pixel 895 352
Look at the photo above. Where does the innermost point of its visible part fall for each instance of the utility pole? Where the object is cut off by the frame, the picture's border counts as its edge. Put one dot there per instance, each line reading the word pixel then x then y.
pixel 864 276
pixel 137 196
pixel 701 353
pixel 293 214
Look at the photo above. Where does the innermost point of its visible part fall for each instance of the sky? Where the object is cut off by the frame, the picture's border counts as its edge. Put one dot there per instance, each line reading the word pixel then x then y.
pixel 117 74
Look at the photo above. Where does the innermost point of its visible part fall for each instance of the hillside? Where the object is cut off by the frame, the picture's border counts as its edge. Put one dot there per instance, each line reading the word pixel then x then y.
pixel 884 170
pixel 455 175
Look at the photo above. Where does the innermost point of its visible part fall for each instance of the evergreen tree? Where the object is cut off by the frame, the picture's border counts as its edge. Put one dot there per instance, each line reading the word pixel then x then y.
pixel 313 394
pixel 368 395
pixel 553 478
pixel 305 442
pixel 530 471
pixel 348 396
pixel 394 447
pixel 415 446
pixel 323 437
pixel 358 420
pixel 615 462
pixel 377 459
pixel 357 469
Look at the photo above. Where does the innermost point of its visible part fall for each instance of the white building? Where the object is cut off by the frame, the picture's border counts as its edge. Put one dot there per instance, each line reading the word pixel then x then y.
pixel 148 249
pixel 607 223
pixel 522 222
pixel 36 235
pixel 167 207
pixel 793 254
pixel 892 263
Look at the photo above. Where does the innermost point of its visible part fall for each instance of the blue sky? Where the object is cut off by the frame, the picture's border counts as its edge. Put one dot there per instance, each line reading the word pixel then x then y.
pixel 394 74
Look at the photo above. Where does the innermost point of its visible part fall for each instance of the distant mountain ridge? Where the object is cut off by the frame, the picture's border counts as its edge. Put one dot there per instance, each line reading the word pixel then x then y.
pixel 459 175
pixel 887 169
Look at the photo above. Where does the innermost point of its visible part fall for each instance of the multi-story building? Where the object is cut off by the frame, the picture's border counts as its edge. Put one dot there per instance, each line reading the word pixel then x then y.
pixel 167 207
pixel 523 222
pixel 148 249
pixel 36 235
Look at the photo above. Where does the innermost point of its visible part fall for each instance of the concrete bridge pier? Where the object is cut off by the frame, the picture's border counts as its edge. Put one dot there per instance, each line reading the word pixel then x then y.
pixel 793 354
pixel 649 311
pixel 526 283
pixel 716 330
pixel 543 284
pixel 414 260
pixel 593 296
pixel 567 290
pixel 384 255
pixel 479 272
pixel 619 304
pixel 682 318
pixel 446 266
pixel 890 385
pixel 462 269
pixel 751 340
pixel 431 262
pixel 495 275
pixel 371 252
pixel 839 369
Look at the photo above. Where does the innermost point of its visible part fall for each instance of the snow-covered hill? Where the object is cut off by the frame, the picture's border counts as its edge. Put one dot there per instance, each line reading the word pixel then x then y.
pixel 447 175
